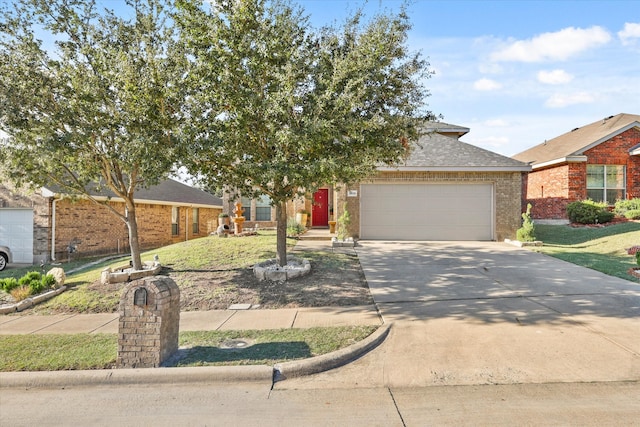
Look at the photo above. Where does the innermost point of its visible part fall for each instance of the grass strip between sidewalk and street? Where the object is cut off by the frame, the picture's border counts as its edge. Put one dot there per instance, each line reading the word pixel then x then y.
pixel 205 348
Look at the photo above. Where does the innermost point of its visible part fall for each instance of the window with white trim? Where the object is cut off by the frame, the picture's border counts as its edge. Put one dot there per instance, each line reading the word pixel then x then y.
pixel 196 220
pixel 175 217
pixel 606 183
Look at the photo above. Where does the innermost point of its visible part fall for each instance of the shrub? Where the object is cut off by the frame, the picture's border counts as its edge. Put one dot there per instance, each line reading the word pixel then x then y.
pixel 9 284
pixel 526 233
pixel 21 292
pixel 343 224
pixel 294 228
pixel 632 214
pixel 589 212
pixel 30 277
pixel 638 258
pixel 48 281
pixel 622 207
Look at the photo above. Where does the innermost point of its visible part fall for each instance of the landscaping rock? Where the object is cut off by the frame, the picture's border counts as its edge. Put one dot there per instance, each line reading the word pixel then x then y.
pixel 59 275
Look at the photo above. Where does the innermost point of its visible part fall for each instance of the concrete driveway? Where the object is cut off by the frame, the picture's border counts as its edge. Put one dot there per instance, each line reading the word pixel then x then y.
pixel 490 313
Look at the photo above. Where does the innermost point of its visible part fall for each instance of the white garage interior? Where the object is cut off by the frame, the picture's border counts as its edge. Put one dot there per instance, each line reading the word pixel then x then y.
pixel 427 211
pixel 16 232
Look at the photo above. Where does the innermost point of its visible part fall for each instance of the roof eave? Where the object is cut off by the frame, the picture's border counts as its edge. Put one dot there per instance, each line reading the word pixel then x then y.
pixel 48 193
pixel 568 159
pixel 609 136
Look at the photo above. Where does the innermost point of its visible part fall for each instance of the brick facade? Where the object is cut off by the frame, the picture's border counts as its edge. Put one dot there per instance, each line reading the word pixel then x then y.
pixel 94 230
pixel 508 195
pixel 550 189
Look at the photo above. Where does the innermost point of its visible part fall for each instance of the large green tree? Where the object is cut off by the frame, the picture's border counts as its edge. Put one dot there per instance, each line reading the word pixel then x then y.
pixel 96 104
pixel 278 108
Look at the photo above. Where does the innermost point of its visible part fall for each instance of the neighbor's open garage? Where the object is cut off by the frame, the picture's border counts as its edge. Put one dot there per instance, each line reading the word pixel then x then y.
pixel 427 211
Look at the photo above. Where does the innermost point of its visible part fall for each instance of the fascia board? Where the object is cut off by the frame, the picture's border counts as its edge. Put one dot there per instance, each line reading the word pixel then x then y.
pixel 568 159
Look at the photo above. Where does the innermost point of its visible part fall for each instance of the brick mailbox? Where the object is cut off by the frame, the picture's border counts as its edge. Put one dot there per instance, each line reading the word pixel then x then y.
pixel 149 322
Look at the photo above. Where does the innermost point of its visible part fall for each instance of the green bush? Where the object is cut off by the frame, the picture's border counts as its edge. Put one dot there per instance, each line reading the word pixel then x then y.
pixel 632 214
pixel 33 280
pixel 622 207
pixel 294 228
pixel 48 281
pixel 589 212
pixel 9 284
pixel 526 233
pixel 29 278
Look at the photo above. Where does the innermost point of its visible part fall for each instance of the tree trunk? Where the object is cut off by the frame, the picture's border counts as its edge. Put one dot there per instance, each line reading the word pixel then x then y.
pixel 281 234
pixel 132 225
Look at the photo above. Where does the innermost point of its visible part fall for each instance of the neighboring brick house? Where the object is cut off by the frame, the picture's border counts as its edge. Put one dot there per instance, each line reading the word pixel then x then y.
pixel 599 161
pixel 445 190
pixel 45 225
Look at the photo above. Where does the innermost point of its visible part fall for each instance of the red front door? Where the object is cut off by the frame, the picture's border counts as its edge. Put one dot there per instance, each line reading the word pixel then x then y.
pixel 320 208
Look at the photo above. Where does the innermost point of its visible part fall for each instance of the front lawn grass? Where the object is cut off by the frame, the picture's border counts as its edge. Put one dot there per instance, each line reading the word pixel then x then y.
pixel 225 254
pixel 600 248
pixel 99 351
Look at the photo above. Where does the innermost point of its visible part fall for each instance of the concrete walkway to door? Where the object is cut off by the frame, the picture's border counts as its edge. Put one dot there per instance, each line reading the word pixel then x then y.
pixel 489 313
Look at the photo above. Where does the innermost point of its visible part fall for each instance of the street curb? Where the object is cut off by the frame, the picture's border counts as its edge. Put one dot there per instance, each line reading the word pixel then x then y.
pixel 325 362
pixel 205 374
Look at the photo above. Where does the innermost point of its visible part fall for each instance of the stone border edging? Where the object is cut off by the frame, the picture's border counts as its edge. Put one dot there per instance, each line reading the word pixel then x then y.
pixel 325 362
pixel 31 301
pixel 205 374
pixel 263 270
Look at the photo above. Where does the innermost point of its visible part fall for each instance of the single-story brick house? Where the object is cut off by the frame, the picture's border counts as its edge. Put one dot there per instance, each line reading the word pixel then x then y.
pixel 48 224
pixel 599 161
pixel 445 190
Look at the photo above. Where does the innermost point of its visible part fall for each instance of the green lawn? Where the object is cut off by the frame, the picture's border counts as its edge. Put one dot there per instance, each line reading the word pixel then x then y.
pixel 194 254
pixel 601 248
pixel 99 351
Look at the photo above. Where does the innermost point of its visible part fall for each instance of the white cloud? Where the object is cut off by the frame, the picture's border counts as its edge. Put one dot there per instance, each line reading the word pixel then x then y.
pixel 557 46
pixel 629 33
pixel 486 85
pixel 563 100
pixel 496 123
pixel 554 77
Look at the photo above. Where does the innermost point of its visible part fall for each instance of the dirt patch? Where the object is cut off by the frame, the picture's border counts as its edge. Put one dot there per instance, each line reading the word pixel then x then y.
pixel 335 280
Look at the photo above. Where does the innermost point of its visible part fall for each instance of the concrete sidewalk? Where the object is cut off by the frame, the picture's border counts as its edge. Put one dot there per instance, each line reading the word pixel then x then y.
pixel 206 320
pixel 197 320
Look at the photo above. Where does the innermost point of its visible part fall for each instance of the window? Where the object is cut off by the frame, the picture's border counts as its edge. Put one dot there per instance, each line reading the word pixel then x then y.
pixel 606 183
pixel 246 205
pixel 175 218
pixel 196 221
pixel 263 208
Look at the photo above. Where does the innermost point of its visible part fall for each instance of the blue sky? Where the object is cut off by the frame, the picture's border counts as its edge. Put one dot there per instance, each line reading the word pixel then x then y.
pixel 516 73
pixel 519 72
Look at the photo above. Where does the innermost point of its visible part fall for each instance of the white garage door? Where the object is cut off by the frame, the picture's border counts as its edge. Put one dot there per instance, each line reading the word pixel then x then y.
pixel 16 231
pixel 426 211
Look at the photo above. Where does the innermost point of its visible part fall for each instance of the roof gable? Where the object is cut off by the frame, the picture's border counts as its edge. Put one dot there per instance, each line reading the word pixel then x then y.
pixel 579 140
pixel 434 151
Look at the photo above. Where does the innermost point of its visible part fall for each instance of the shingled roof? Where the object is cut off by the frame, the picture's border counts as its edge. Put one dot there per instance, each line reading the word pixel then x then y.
pixel 579 140
pixel 168 192
pixel 435 151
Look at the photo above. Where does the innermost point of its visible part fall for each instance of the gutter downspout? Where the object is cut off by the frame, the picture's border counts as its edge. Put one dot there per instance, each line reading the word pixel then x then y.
pixel 53 229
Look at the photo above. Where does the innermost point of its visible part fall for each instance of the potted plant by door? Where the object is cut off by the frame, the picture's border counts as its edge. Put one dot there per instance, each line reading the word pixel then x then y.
pixel 301 217
pixel 223 219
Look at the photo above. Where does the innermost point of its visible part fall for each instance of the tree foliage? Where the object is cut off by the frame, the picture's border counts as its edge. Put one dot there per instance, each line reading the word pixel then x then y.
pixel 96 103
pixel 278 108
